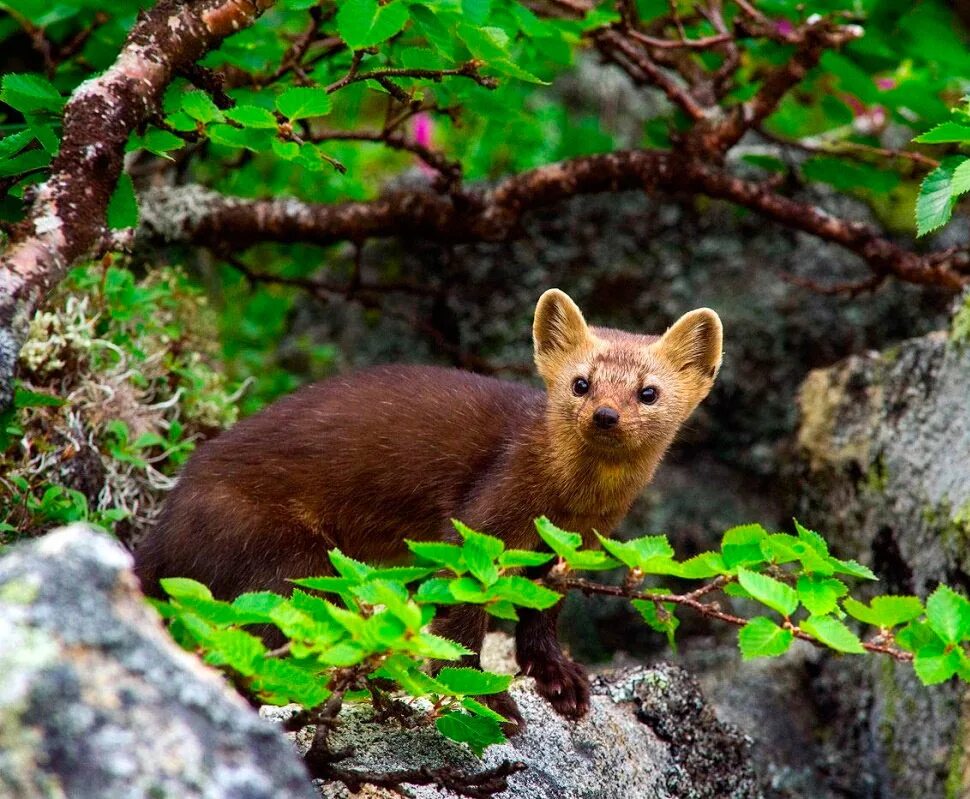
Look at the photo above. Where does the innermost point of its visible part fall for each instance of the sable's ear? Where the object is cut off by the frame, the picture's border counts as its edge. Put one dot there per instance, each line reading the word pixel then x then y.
pixel 559 325
pixel 694 342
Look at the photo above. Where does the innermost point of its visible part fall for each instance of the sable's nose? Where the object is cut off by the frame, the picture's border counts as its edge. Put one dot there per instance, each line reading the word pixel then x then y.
pixel 605 418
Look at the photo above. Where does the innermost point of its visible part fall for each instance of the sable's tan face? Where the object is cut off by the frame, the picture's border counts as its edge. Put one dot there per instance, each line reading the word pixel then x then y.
pixel 622 392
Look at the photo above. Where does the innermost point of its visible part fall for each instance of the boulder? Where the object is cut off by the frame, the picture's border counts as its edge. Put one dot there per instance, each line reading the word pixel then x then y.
pixel 96 700
pixel 649 733
pixel 885 446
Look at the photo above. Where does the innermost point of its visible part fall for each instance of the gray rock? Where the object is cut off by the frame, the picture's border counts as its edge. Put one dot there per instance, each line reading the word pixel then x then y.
pixel 885 441
pixel 649 734
pixel 97 701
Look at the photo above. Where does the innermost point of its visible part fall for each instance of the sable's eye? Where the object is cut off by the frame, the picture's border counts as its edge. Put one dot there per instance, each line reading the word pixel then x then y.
pixel 580 386
pixel 649 395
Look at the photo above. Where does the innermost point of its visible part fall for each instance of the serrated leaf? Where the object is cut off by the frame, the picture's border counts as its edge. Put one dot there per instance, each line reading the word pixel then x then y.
pixel 784 548
pixel 651 554
pixel 501 609
pixel 820 594
pixel 348 567
pixel 30 93
pixel 769 591
pixel 14 143
pixel 467 589
pixel 436 591
pixel 257 603
pixel 472 682
pixel 852 568
pixel 476 11
pixel 479 709
pixel 449 555
pixel 960 183
pixel 236 649
pixel 934 667
pixel 123 205
pixel 761 637
pixel 253 116
pixel 200 107
pixel 742 545
pixel 160 142
pixel 489 544
pixel 590 560
pixel 178 587
pixel 706 564
pixel 885 611
pixel 364 23
pixel 517 558
pixel 948 614
pixel 559 541
pixel 402 574
pixel 247 138
pixel 833 633
pixel 916 635
pixel 523 592
pixel 476 731
pixel 945 133
pixel 303 102
pixel 331 585
pixel 438 648
pixel 280 682
pixel 662 621
pixel 479 563
pixel 934 203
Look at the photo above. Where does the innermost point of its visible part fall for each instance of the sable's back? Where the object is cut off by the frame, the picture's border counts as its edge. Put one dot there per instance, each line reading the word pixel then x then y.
pixel 358 461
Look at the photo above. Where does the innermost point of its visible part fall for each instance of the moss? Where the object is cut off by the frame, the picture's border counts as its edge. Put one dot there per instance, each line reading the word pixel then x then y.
pixel 877 476
pixel 960 326
pixel 958 773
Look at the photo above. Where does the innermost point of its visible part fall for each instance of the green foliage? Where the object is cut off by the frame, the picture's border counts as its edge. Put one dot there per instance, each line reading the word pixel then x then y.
pixel 365 622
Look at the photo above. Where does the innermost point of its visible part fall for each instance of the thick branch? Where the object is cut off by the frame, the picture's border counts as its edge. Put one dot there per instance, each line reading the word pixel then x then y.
pixel 66 219
pixel 193 215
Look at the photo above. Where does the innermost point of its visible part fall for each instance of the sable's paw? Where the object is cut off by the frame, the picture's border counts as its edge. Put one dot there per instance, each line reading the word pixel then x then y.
pixel 505 704
pixel 562 683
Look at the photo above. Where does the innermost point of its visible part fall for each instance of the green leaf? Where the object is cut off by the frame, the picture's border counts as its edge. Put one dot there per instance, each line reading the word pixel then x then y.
pixel 706 564
pixel 200 107
pixel 852 568
pixel 742 545
pixel 476 731
pixel 934 666
pixel 934 203
pixel 14 143
pixel 558 540
pixel 885 611
pixel 363 23
pixel 651 554
pixel 476 707
pixel 178 587
pixel 476 11
pixel 25 398
pixel 303 102
pixel 258 603
pixel 489 544
pixel 812 538
pixel 960 183
pixel 820 594
pixel 30 93
pixel 248 138
pixel 761 637
pixel 436 591
pixel 784 548
pixel 945 133
pixel 348 567
pixel 479 563
pixel 254 116
pixel 402 574
pixel 123 205
pixel 234 648
pixel 833 633
pixel 769 591
pixel 502 609
pixel 589 560
pixel 161 142
pixel 516 558
pixel 449 555
pixel 662 620
pixel 523 592
pixel 433 646
pixel 948 614
pixel 472 682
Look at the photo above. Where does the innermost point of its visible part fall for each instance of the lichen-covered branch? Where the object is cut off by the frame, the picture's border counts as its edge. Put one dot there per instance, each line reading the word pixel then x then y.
pixel 66 217
pixel 196 216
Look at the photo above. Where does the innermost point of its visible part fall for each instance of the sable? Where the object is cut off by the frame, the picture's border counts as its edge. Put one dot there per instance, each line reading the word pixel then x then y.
pixel 365 461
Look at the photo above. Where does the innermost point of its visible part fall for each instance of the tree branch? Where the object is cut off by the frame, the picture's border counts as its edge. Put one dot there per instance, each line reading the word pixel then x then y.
pixel 194 215
pixel 66 218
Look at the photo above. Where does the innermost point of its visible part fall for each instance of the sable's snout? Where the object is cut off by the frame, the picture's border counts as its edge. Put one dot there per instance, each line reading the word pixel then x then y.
pixel 606 418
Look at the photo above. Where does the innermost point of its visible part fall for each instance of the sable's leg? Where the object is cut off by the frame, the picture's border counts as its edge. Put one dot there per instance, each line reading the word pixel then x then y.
pixel 467 624
pixel 563 683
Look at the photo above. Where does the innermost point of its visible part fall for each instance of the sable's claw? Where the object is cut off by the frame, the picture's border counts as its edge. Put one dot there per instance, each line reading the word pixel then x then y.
pixel 563 684
pixel 505 704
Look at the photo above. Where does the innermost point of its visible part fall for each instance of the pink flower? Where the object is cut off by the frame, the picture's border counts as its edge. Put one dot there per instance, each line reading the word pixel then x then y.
pixel 885 84
pixel 422 129
pixel 784 27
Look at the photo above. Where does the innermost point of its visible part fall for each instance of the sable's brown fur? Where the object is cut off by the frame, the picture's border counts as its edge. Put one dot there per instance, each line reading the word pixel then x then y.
pixel 364 461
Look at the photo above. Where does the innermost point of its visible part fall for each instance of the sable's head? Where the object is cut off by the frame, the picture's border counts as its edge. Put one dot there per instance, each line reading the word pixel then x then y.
pixel 622 393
